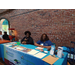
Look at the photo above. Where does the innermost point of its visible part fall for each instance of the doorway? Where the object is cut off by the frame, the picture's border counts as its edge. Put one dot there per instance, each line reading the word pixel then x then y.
pixel 4 25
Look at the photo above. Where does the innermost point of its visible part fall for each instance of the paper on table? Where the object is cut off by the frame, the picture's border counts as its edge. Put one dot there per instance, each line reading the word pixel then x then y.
pixel 7 45
pixel 10 43
pixel 32 52
pixel 19 48
pixel 40 55
pixel 39 48
pixel 50 59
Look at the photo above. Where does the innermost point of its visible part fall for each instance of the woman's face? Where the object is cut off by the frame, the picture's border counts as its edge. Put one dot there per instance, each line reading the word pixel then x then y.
pixel 27 35
pixel 44 37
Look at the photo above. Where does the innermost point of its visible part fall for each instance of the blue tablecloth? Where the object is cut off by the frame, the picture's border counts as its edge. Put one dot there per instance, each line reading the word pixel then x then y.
pixel 31 61
pixel 67 49
pixel 2 51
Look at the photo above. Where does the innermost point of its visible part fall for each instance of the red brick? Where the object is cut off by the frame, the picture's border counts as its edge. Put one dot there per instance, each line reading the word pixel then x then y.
pixel 57 23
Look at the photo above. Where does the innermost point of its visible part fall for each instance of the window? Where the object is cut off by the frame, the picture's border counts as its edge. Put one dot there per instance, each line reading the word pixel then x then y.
pixel 4 25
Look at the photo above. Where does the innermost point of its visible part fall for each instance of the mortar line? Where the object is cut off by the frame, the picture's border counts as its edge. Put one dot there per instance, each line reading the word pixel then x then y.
pixel 25 13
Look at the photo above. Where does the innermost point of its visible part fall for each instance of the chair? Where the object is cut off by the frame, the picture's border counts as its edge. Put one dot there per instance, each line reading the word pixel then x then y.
pixel 72 62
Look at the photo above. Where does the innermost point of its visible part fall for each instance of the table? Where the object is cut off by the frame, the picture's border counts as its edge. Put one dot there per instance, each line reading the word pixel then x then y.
pixel 1 42
pixel 23 58
pixel 4 41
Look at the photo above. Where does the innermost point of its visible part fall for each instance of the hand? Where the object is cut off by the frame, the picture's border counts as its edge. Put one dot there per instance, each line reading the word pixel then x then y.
pixel 62 54
pixel 41 50
pixel 25 39
pixel 24 42
pixel 48 48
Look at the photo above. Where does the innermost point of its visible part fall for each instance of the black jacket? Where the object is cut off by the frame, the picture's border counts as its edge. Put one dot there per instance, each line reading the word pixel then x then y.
pixel 5 37
pixel 29 40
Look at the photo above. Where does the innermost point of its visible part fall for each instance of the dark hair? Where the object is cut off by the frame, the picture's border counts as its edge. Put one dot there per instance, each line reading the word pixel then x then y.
pixel 46 39
pixel 5 33
pixel 27 32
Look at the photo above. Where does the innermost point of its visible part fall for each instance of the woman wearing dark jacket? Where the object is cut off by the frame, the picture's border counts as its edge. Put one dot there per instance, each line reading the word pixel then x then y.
pixel 27 39
pixel 5 36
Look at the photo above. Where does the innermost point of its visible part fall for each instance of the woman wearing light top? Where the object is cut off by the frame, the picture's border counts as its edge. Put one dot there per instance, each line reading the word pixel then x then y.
pixel 1 35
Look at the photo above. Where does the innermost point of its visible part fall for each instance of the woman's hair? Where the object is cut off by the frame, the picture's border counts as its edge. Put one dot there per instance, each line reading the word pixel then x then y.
pixel 27 32
pixel 5 33
pixel 46 39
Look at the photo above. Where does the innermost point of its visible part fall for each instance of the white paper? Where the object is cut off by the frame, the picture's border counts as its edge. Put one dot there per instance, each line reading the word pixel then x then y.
pixel 19 48
pixel 10 43
pixel 52 52
pixel 32 52
pixel 40 55
pixel 45 51
pixel 39 48
pixel 60 51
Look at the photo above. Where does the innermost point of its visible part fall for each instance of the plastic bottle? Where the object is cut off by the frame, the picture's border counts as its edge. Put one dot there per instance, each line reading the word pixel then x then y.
pixel 20 41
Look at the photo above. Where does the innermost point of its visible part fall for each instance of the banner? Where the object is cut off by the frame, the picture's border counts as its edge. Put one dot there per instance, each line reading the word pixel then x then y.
pixel 15 57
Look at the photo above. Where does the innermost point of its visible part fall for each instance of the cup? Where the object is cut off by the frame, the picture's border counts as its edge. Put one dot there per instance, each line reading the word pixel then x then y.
pixel 18 43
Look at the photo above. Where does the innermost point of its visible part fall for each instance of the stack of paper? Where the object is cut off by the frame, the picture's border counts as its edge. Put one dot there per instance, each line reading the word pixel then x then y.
pixel 40 55
pixel 39 48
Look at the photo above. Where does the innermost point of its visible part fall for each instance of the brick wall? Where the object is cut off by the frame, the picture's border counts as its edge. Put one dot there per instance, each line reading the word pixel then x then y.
pixel 58 24
pixel 3 10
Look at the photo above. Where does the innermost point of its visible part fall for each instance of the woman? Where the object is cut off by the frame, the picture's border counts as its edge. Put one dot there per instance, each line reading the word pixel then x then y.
pixel 44 42
pixel 27 39
pixel 1 35
pixel 5 36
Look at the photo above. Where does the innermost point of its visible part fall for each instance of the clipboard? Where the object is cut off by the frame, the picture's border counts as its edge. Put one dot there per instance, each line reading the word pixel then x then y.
pixel 50 59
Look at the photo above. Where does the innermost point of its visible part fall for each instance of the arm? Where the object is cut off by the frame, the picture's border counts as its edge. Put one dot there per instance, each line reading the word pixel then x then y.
pixel 41 45
pixel 22 41
pixel 37 44
pixel 48 47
